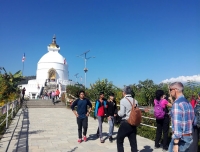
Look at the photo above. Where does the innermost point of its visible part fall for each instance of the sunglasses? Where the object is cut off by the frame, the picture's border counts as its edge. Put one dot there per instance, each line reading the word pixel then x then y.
pixel 171 89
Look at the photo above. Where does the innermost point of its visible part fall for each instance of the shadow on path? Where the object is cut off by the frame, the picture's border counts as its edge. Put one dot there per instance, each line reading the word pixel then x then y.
pixel 73 149
pixel 146 149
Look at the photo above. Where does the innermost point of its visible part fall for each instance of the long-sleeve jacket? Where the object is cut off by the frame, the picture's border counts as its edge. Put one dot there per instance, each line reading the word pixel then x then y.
pixel 111 108
pixel 81 107
pixel 99 105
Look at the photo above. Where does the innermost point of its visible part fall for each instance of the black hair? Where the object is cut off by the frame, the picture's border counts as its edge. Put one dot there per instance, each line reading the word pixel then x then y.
pixel 100 93
pixel 159 94
pixel 81 91
pixel 112 94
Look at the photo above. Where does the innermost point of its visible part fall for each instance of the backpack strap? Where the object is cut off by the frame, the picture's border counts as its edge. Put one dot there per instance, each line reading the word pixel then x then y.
pixel 131 103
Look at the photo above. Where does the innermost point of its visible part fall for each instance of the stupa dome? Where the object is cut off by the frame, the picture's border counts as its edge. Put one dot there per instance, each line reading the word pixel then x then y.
pixel 52 57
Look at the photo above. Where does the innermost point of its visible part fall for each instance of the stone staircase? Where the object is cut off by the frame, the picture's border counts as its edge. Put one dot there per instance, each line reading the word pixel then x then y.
pixel 50 86
pixel 45 104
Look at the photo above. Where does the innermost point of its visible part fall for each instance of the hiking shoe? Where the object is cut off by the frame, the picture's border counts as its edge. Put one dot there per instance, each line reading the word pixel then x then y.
pixel 85 138
pixel 110 139
pixel 79 140
pixel 157 147
pixel 101 140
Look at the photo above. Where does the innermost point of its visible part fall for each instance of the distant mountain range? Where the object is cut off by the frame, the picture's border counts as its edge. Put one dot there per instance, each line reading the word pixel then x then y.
pixel 184 79
pixel 26 79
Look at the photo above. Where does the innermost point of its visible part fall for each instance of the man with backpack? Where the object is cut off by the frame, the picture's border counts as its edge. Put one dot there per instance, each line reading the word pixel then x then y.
pixel 162 119
pixel 126 129
pixel 182 117
pixel 196 126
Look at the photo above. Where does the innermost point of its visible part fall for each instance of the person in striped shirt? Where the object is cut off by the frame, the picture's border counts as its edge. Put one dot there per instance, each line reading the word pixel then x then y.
pixel 182 116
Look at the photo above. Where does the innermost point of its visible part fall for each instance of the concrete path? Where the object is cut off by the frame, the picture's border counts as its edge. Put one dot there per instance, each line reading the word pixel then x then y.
pixel 55 130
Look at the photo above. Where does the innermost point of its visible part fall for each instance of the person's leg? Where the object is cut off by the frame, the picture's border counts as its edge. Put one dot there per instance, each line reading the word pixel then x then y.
pixel 100 126
pixel 85 126
pixel 195 135
pixel 170 148
pixel 79 123
pixel 110 127
pixel 165 132
pixel 184 143
pixel 159 124
pixel 132 139
pixel 120 137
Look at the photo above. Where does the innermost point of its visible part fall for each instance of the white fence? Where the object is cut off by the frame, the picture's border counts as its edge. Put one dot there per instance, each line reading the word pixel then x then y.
pixel 6 108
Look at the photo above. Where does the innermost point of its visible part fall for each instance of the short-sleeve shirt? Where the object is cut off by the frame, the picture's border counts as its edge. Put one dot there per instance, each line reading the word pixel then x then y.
pixel 163 103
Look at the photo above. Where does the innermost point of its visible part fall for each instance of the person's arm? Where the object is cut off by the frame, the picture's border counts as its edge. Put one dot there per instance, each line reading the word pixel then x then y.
pixel 90 107
pixel 106 109
pixel 73 106
pixel 96 108
pixel 115 107
pixel 121 112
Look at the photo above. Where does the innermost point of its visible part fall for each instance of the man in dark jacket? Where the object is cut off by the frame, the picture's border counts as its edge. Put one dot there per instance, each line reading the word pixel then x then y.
pixel 111 112
pixel 82 114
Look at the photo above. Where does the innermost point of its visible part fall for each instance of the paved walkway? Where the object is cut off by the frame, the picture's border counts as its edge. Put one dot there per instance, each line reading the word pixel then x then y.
pixel 55 130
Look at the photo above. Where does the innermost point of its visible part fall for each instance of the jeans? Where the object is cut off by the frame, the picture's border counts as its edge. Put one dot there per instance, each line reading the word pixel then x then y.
pixel 126 130
pixel 82 123
pixel 184 144
pixel 195 135
pixel 162 126
pixel 53 99
pixel 99 130
pixel 111 126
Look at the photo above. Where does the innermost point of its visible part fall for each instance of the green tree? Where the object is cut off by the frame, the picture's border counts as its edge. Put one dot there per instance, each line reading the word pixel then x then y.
pixel 103 86
pixel 9 86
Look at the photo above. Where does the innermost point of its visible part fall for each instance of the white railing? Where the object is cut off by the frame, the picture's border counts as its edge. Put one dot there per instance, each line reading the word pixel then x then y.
pixel 6 108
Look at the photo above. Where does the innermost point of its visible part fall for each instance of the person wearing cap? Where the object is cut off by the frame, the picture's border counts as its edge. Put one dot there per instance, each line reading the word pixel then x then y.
pixel 125 129
pixel 111 112
pixel 196 129
pixel 182 117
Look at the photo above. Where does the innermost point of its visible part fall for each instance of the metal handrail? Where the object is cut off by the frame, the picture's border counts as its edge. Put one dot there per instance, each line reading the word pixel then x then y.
pixel 14 104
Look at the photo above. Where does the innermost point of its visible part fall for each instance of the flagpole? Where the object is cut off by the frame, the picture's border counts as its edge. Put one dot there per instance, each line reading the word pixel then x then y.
pixel 23 69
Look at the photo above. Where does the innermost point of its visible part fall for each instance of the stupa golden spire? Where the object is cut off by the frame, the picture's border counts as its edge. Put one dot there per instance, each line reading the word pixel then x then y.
pixel 53 44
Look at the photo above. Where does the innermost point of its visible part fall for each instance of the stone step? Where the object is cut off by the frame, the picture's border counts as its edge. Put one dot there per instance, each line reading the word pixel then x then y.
pixel 45 104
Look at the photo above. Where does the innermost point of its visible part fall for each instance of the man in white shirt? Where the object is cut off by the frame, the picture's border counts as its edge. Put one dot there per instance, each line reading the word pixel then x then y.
pixel 125 129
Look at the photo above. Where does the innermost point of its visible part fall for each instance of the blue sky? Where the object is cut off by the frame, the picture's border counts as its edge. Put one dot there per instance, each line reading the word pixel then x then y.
pixel 131 40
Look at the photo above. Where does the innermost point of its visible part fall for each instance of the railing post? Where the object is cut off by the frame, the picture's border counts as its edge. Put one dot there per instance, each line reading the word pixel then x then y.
pixel 7 116
pixel 12 109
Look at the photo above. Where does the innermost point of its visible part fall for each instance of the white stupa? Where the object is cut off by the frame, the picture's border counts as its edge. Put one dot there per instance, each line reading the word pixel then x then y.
pixel 52 73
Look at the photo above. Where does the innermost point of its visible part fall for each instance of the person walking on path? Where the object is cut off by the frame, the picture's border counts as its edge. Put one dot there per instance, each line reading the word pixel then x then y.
pixel 125 129
pixel 100 106
pixel 53 97
pixel 182 117
pixel 196 126
pixel 23 93
pixel 111 112
pixel 82 114
pixel 57 94
pixel 162 122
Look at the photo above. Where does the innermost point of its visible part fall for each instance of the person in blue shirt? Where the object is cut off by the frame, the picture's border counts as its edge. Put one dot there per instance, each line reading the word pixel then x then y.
pixel 82 114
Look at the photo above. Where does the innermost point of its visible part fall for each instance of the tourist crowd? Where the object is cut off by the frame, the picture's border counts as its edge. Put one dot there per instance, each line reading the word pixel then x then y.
pixel 184 116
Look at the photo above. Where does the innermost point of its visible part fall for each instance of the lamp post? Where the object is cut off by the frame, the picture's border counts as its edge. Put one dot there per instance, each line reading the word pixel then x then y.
pixel 83 55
